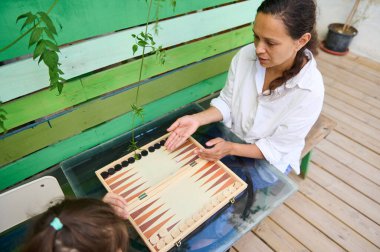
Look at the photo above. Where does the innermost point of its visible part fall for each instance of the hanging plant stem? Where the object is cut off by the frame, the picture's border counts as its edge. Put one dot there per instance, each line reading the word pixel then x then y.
pixel 145 40
pixel 47 50
pixel 42 35
pixel 138 111
pixel 28 31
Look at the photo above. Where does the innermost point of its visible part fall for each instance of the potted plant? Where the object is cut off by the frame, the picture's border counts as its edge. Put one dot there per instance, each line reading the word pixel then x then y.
pixel 339 35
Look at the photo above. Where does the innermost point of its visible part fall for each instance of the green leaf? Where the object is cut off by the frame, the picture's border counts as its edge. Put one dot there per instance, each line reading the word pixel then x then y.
pixel 142 43
pixel 3 127
pixel 60 87
pixel 25 15
pixel 132 145
pixel 50 59
pixel 60 25
pixel 46 19
pixel 41 57
pixel 53 85
pixel 52 45
pixel 2 119
pixel 136 156
pixel 134 48
pixel 53 73
pixel 40 48
pixel 29 20
pixel 173 3
pixel 138 111
pixel 49 33
pixel 35 36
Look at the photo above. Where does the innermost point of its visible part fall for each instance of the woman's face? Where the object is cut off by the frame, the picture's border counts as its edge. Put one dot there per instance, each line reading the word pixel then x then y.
pixel 274 47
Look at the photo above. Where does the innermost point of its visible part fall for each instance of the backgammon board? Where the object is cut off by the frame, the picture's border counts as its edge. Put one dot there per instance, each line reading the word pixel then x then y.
pixel 169 194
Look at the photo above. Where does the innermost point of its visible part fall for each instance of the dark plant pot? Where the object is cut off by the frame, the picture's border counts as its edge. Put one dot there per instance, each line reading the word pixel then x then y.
pixel 337 40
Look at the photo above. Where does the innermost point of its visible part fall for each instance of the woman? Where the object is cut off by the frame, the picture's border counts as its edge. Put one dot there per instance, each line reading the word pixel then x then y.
pixel 272 97
pixel 273 94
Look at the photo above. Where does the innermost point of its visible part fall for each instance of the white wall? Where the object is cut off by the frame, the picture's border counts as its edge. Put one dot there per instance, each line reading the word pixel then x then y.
pixel 367 42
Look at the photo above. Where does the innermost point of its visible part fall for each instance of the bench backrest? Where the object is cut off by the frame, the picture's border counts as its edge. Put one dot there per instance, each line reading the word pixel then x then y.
pixel 200 36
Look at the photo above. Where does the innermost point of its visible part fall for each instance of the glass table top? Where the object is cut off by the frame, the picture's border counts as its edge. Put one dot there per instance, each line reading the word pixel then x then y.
pixel 221 230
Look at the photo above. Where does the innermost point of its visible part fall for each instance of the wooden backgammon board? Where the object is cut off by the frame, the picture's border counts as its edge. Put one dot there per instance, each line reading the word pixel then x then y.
pixel 170 194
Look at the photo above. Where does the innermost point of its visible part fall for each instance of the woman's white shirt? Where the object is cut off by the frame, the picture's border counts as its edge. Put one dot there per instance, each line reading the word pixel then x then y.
pixel 276 123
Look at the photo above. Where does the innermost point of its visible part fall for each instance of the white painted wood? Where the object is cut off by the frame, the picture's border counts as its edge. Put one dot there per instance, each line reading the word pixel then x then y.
pixel 28 200
pixel 25 76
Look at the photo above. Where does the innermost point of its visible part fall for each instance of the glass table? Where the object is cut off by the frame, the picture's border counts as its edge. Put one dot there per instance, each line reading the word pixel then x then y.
pixel 223 229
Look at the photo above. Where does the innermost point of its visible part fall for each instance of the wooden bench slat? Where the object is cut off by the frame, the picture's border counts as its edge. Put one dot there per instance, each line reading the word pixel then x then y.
pixel 321 129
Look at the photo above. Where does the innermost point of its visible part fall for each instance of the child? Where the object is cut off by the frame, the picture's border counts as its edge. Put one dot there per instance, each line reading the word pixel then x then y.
pixel 78 225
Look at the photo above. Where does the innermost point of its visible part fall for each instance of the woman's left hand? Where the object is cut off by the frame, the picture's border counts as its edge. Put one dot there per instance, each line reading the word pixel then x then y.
pixel 118 203
pixel 220 149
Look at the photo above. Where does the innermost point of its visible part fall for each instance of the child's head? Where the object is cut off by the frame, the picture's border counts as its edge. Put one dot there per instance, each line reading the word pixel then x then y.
pixel 78 225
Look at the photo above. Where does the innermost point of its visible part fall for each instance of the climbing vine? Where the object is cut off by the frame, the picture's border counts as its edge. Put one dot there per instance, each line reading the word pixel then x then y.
pixel 43 37
pixel 46 49
pixel 145 41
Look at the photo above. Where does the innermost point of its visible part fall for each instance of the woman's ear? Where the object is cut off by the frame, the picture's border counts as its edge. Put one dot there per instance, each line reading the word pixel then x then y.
pixel 303 40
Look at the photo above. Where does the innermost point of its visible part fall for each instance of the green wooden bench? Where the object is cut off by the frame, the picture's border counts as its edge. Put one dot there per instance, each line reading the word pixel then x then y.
pixel 102 73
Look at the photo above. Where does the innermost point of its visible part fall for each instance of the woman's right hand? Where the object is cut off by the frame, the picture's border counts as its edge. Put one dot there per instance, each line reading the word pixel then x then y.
pixel 181 130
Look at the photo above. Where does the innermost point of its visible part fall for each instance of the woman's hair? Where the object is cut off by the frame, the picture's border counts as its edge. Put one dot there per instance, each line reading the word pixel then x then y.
pixel 87 225
pixel 299 17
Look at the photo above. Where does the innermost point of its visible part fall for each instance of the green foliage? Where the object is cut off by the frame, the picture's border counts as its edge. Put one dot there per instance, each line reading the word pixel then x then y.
pixel 133 145
pixel 173 3
pixel 42 36
pixel 3 117
pixel 145 40
pixel 160 55
pixel 138 111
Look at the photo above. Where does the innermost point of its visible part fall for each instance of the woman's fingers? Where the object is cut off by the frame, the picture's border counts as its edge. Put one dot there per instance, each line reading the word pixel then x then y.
pixel 173 137
pixel 207 154
pixel 173 126
pixel 214 141
pixel 118 203
pixel 174 141
pixel 216 152
pixel 180 130
pixel 177 137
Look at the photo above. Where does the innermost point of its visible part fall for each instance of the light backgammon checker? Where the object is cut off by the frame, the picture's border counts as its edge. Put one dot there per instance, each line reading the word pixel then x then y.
pixel 170 194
